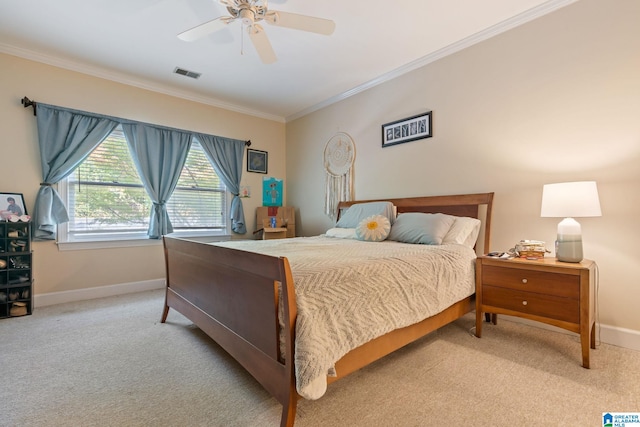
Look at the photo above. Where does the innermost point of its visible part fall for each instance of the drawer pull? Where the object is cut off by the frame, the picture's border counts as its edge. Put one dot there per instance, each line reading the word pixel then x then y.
pixel 524 280
pixel 524 303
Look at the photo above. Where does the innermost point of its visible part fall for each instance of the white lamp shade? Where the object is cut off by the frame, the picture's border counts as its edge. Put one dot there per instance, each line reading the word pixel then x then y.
pixel 570 199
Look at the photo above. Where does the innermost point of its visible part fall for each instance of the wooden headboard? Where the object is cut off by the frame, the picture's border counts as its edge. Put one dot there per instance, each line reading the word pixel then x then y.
pixel 477 205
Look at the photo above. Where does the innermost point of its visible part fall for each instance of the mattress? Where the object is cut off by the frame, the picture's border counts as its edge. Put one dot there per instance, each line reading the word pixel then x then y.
pixel 349 292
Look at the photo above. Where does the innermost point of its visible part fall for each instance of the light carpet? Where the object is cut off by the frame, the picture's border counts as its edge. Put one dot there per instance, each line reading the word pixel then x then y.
pixel 110 362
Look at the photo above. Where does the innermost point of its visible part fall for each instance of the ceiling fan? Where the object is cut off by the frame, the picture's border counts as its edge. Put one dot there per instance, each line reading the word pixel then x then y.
pixel 250 12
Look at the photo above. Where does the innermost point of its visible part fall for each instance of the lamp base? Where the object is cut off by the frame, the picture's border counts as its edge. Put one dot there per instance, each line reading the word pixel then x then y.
pixel 569 243
pixel 569 250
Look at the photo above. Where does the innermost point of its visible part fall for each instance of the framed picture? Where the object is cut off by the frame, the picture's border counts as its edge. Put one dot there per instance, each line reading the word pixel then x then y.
pixel 272 189
pixel 11 204
pixel 405 130
pixel 257 161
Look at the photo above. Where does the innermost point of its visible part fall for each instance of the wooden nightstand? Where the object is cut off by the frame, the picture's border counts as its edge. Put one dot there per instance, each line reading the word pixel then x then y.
pixel 547 290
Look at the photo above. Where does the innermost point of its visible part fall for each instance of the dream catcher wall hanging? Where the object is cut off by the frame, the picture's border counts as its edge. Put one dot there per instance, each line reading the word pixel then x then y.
pixel 339 154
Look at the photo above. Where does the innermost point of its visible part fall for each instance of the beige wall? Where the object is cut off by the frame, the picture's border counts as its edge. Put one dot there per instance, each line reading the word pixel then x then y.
pixel 56 271
pixel 557 99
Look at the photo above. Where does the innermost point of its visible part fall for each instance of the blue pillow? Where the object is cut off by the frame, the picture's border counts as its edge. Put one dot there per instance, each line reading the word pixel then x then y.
pixel 421 228
pixel 356 213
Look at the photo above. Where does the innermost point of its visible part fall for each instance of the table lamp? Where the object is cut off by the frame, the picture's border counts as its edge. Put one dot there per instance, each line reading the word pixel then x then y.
pixel 567 200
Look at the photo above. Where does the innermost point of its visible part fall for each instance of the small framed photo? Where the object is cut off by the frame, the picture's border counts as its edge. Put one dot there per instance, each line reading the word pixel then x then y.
pixel 257 161
pixel 406 130
pixel 11 204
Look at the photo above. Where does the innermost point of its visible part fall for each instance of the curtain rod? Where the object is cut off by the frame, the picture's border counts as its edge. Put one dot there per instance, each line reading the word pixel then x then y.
pixel 26 102
pixel 29 103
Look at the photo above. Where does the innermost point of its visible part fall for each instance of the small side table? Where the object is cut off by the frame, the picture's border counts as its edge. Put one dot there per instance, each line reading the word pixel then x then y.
pixel 274 233
pixel 546 290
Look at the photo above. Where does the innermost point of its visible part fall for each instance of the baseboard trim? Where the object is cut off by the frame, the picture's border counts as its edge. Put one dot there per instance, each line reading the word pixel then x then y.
pixel 52 298
pixel 607 334
pixel 620 337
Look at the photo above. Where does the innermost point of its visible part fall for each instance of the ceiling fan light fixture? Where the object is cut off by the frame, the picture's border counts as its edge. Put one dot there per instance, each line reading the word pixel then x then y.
pixel 250 12
pixel 247 16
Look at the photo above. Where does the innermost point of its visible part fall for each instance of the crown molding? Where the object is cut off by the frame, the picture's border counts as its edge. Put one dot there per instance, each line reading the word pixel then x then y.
pixel 478 37
pixel 520 19
pixel 130 81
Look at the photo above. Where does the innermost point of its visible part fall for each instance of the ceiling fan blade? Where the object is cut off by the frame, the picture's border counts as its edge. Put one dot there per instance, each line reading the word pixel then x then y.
pixel 261 43
pixel 300 22
pixel 205 29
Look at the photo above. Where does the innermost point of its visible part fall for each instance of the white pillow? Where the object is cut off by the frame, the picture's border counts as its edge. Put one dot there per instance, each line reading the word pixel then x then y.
pixel 464 231
pixel 375 228
pixel 342 233
pixel 360 211
pixel 420 228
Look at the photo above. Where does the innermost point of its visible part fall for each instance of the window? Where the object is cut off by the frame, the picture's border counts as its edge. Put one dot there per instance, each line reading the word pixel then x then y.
pixel 106 200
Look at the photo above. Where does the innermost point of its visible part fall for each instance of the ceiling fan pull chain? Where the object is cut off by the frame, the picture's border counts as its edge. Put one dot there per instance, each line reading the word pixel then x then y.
pixel 242 39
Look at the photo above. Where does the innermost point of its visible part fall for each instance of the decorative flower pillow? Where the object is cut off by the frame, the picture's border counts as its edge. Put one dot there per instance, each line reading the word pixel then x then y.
pixel 374 228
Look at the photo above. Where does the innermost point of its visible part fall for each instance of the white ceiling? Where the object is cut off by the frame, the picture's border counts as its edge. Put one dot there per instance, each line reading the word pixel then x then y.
pixel 134 42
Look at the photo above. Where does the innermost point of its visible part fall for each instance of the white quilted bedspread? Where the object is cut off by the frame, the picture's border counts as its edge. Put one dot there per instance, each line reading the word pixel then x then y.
pixel 349 292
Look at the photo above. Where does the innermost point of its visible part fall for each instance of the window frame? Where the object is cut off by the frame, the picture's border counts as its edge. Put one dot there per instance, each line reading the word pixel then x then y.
pixel 130 239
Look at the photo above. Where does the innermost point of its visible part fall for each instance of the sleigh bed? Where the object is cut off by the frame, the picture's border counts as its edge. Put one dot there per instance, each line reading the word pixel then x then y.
pixel 274 308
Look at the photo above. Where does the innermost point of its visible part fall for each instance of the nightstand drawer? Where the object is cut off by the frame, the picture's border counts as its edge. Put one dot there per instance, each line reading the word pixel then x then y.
pixel 555 284
pixel 548 306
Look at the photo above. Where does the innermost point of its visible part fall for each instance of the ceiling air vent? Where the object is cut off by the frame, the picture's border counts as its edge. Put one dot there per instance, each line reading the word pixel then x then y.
pixel 187 73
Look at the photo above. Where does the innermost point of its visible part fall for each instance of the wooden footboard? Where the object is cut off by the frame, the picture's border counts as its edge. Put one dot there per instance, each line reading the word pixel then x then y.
pixel 233 298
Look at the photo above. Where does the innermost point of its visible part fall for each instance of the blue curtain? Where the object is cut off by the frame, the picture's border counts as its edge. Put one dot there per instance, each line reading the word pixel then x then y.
pixel 159 155
pixel 225 155
pixel 66 137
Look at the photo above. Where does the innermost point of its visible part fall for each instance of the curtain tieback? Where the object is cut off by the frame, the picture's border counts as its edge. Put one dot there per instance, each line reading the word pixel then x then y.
pixel 48 184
